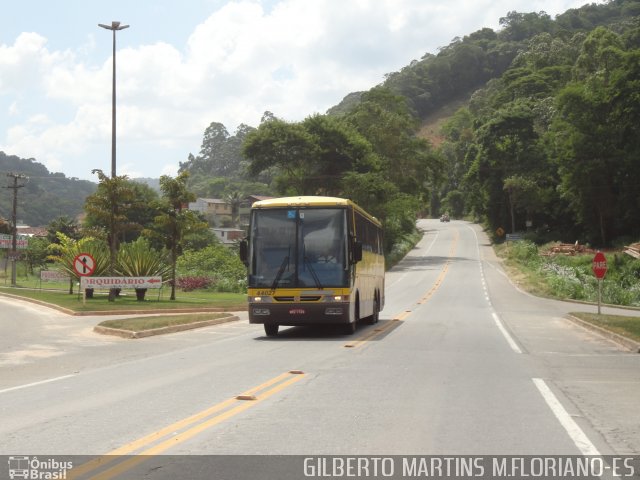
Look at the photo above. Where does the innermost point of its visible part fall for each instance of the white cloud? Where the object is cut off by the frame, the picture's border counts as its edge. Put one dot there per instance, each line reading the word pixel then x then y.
pixel 294 59
pixel 13 109
pixel 171 170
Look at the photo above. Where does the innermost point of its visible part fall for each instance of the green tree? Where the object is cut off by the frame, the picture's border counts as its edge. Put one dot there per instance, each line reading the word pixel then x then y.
pixel 454 203
pixel 108 212
pixel 385 121
pixel 520 26
pixel 141 213
pixel 506 145
pixel 36 253
pixel 285 147
pixel 220 154
pixel 311 157
pixel 62 224
pixel 524 194
pixel 174 221
pixel 587 136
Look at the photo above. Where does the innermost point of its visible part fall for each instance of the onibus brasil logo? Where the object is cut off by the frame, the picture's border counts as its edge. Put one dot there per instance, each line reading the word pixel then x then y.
pixel 33 468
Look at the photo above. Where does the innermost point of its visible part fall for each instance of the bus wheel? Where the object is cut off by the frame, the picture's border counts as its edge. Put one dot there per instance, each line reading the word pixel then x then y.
pixel 271 329
pixel 350 328
pixel 373 319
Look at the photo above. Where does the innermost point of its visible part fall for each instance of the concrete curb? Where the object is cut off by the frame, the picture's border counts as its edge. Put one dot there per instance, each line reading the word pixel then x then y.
pixel 163 330
pixel 627 343
pixel 39 302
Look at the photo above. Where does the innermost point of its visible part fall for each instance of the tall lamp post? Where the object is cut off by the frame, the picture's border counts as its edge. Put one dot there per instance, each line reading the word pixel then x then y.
pixel 114 27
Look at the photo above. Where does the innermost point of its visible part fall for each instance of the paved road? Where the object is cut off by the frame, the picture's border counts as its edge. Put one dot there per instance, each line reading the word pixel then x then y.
pixel 462 362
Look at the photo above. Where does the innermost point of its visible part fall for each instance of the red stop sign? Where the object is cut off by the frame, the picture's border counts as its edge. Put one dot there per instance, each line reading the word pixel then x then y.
pixel 599 265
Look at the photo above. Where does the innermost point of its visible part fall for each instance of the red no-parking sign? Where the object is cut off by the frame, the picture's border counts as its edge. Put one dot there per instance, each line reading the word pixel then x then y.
pixel 84 264
pixel 599 265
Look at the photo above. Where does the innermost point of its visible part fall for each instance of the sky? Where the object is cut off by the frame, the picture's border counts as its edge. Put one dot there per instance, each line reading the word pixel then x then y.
pixel 183 64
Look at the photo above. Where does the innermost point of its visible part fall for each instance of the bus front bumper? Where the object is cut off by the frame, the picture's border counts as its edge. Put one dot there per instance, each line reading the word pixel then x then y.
pixel 322 313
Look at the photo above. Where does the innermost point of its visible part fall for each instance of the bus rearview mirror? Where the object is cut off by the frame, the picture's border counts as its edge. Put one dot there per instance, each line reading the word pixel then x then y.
pixel 244 252
pixel 357 252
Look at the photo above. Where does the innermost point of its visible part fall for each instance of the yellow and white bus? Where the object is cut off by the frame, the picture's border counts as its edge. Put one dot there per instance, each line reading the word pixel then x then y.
pixel 313 260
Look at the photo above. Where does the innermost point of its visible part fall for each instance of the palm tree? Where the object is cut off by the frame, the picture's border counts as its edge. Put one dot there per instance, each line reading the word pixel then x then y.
pixel 234 199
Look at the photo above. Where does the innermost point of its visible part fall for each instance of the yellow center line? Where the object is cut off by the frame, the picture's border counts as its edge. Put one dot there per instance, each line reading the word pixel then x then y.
pixel 443 272
pixel 380 330
pixel 376 332
pixel 147 440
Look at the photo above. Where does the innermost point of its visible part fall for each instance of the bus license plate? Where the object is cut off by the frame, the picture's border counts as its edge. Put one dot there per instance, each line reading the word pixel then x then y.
pixel 296 311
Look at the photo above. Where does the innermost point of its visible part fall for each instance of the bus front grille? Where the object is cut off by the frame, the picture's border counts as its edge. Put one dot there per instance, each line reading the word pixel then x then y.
pixel 304 298
pixel 310 298
pixel 284 299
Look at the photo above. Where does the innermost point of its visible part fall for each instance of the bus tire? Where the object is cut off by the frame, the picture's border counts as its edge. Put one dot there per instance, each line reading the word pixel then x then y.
pixel 350 328
pixel 271 329
pixel 373 319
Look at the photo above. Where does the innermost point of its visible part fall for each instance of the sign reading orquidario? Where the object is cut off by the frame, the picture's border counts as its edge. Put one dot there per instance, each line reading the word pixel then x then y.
pixel 107 283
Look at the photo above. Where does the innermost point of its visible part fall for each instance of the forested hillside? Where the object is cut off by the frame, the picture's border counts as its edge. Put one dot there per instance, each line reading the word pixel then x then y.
pixel 45 196
pixel 547 140
pixel 553 142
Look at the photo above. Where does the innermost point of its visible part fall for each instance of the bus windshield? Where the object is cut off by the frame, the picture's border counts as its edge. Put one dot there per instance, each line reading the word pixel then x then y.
pixel 298 248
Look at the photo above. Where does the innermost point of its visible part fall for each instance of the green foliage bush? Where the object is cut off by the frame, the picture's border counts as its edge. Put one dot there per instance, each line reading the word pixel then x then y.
pixel 217 262
pixel 401 248
pixel 524 251
pixel 571 276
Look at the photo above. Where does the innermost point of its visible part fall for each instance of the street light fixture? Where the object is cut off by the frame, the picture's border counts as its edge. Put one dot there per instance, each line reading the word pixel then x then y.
pixel 115 26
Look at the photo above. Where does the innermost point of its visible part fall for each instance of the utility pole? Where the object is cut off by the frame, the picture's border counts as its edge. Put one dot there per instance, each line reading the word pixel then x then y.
pixel 14 222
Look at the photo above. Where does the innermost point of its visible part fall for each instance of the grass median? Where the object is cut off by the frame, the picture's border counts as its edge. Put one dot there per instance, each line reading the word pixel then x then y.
pixel 141 324
pixel 126 302
pixel 628 327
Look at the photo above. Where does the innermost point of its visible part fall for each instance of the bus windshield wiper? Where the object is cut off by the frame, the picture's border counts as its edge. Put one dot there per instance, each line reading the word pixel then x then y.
pixel 313 272
pixel 283 266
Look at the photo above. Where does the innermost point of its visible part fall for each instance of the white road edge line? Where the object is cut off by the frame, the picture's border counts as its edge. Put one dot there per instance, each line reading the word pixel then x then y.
pixel 575 432
pixel 34 384
pixel 514 346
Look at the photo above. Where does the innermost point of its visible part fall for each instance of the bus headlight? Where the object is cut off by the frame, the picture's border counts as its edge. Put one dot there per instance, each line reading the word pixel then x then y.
pixel 259 299
pixel 337 298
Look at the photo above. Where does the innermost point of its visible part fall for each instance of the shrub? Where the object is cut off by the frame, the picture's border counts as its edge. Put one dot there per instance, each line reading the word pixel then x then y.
pixel 188 284
pixel 219 264
pixel 523 251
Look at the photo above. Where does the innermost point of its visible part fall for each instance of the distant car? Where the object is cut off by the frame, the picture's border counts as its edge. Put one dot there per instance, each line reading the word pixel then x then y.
pixel 444 217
